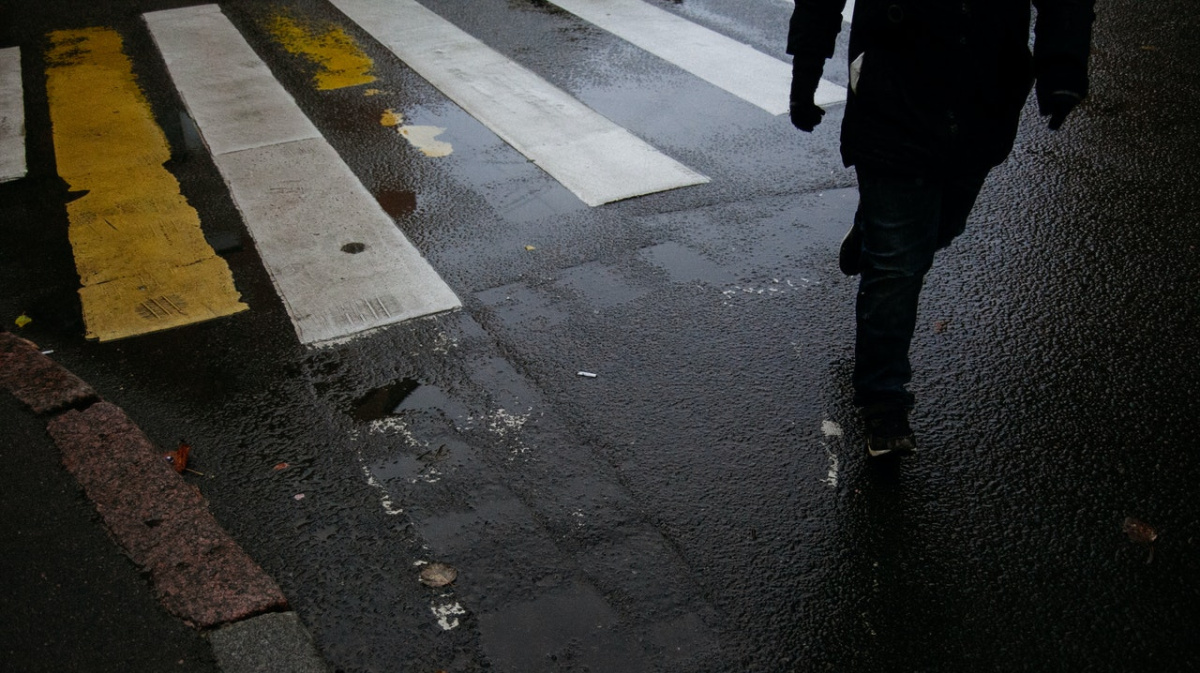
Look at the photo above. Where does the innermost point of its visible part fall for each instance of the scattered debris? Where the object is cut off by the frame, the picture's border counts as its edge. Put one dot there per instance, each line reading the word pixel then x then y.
pixel 179 457
pixel 298 496
pixel 1140 532
pixel 586 375
pixel 940 326
pixel 438 575
pixel 530 248
pixel 23 320
pixel 281 466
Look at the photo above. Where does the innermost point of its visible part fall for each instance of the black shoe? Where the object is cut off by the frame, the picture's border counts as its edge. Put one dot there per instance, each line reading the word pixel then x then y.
pixel 850 254
pixel 888 431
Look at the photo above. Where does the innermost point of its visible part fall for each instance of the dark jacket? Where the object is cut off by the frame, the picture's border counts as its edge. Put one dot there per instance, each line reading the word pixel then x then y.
pixel 942 82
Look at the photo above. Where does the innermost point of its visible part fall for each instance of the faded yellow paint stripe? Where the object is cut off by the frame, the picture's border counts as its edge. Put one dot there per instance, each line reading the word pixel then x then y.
pixel 340 61
pixel 139 249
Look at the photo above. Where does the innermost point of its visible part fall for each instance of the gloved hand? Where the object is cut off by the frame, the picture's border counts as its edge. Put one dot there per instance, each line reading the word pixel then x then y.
pixel 1057 105
pixel 805 115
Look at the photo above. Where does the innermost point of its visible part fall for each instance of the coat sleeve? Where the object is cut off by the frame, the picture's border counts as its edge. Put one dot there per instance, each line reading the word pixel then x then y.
pixel 1062 44
pixel 812 35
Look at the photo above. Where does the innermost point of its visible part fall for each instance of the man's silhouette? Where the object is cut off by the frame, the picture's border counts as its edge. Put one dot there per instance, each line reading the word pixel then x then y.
pixel 936 91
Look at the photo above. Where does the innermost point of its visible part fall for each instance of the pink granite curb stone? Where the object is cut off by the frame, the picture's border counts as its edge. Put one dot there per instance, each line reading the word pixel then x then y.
pixel 200 573
pixel 36 380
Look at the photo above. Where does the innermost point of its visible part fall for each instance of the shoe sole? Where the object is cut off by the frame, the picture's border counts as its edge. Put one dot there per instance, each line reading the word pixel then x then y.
pixel 876 453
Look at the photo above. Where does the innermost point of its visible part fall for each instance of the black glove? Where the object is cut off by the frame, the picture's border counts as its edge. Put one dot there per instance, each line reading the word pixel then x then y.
pixel 1058 105
pixel 804 113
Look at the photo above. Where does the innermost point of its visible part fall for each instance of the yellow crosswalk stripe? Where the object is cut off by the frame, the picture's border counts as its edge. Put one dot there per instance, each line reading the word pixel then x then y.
pixel 139 250
pixel 340 62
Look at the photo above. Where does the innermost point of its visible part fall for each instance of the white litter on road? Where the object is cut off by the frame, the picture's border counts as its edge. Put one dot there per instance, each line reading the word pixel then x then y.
pixel 720 60
pixel 447 614
pixel 12 116
pixel 591 156
pixel 338 261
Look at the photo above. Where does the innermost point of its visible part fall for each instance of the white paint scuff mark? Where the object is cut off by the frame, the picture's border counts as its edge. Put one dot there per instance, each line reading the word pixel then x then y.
pixel 831 479
pixel 505 425
pixel 776 287
pixel 831 430
pixel 447 614
pixel 385 498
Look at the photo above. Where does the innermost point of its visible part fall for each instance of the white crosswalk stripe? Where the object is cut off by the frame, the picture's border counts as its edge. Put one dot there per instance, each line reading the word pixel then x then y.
pixel 847 11
pixel 12 116
pixel 337 260
pixel 591 156
pixel 731 65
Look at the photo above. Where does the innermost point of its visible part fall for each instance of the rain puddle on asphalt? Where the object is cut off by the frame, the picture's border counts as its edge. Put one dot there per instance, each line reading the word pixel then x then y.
pixel 397 203
pixel 423 138
pixel 383 402
pixel 405 394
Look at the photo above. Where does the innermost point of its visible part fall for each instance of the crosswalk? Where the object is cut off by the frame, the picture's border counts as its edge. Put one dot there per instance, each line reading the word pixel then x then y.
pixel 591 156
pixel 337 260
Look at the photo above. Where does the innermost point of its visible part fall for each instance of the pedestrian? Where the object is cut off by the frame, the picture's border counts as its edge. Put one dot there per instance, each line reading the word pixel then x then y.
pixel 936 91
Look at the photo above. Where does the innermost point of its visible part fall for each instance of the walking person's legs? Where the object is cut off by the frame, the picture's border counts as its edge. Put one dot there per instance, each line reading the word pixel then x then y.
pixel 902 222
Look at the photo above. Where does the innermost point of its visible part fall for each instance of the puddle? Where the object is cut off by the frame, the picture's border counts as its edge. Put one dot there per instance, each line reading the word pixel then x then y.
pixel 685 265
pixel 398 203
pixel 382 402
pixel 423 138
pixel 403 395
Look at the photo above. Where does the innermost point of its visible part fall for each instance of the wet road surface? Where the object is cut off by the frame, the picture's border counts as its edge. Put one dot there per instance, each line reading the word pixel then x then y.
pixel 702 503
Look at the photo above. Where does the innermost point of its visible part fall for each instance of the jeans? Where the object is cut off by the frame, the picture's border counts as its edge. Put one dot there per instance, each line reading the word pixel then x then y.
pixel 903 221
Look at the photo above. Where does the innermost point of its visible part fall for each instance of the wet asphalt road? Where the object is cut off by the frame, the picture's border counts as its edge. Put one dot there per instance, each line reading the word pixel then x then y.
pixel 693 506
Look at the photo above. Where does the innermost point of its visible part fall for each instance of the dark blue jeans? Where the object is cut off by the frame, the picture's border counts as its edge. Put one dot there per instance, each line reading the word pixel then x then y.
pixel 904 221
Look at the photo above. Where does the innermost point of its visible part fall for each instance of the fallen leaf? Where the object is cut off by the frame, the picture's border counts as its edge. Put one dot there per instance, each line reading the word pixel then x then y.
pixel 1139 531
pixel 281 466
pixel 438 575
pixel 940 326
pixel 530 248
pixel 23 320
pixel 179 457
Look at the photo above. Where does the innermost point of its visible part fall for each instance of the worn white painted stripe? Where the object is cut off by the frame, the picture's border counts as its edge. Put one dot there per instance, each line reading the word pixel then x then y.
pixel 12 116
pixel 232 96
pixel 847 11
pixel 720 60
pixel 338 261
pixel 590 155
